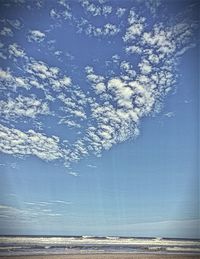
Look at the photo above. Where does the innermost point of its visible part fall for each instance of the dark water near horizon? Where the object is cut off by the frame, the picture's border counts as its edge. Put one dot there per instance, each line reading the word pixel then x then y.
pixel 44 245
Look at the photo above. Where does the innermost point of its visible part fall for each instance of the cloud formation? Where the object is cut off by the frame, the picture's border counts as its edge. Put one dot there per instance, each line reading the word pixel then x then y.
pixel 36 35
pixel 16 142
pixel 23 106
pixel 95 9
pixel 92 103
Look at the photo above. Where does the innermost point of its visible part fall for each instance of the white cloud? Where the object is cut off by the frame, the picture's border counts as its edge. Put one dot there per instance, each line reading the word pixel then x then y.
pixel 114 126
pixel 7 80
pixel 52 75
pixel 5 75
pixel 65 81
pixel 40 69
pixel 111 109
pixel 79 113
pixel 64 3
pixel 63 13
pixel 169 114
pixel 16 142
pixel 153 58
pixel 134 49
pixel 145 67
pixel 136 27
pixel 100 88
pixel 54 14
pixel 73 174
pixel 133 31
pixel 15 50
pixel 62 202
pixel 67 101
pixel 95 78
pixel 69 123
pixel 15 23
pixel 80 148
pixel 23 106
pixel 91 166
pixel 97 81
pixel 95 9
pixel 153 6
pixel 118 121
pixel 89 70
pixel 8 210
pixel 168 40
pixel 122 92
pixel 36 35
pixel 107 29
pixel 2 56
pixel 29 212
pixel 73 109
pixel 91 8
pixel 6 31
pixel 120 12
pixel 133 18
pixel 106 10
pixel 127 68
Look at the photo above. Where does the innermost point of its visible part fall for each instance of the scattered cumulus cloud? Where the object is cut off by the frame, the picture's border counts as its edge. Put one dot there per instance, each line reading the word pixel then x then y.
pixel 107 29
pixel 6 31
pixel 23 106
pixel 42 72
pixel 32 211
pixel 120 12
pixel 95 103
pixel 136 26
pixel 95 9
pixel 15 50
pixel 91 166
pixel 16 23
pixel 16 142
pixel 36 35
pixel 61 12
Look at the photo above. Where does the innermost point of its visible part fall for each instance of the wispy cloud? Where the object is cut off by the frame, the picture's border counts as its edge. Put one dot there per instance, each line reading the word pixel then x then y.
pixel 169 114
pixel 136 26
pixel 61 202
pixel 61 12
pixel 31 212
pixel 91 166
pixel 73 173
pixel 105 30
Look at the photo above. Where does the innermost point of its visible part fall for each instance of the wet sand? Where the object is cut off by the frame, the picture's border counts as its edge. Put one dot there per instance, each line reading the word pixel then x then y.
pixel 105 256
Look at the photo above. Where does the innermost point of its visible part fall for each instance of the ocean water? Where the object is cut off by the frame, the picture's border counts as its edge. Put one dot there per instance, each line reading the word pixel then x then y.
pixel 40 245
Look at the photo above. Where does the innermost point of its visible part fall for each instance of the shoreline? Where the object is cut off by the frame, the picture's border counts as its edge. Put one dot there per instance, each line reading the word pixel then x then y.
pixel 105 256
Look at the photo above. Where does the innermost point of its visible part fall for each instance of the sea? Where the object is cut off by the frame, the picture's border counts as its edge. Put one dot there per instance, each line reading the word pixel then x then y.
pixel 46 245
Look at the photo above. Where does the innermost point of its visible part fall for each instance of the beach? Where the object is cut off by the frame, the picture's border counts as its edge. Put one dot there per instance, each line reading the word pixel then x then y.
pixel 107 256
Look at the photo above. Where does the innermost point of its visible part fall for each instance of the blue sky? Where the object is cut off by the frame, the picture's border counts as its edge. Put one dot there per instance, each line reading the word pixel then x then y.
pixel 99 118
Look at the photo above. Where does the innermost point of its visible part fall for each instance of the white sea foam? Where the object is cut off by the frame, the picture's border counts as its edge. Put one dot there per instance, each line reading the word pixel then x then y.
pixel 183 249
pixel 100 241
pixel 112 238
pixel 88 244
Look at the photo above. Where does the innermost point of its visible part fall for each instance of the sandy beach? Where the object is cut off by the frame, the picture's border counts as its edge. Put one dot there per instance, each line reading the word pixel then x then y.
pixel 106 256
